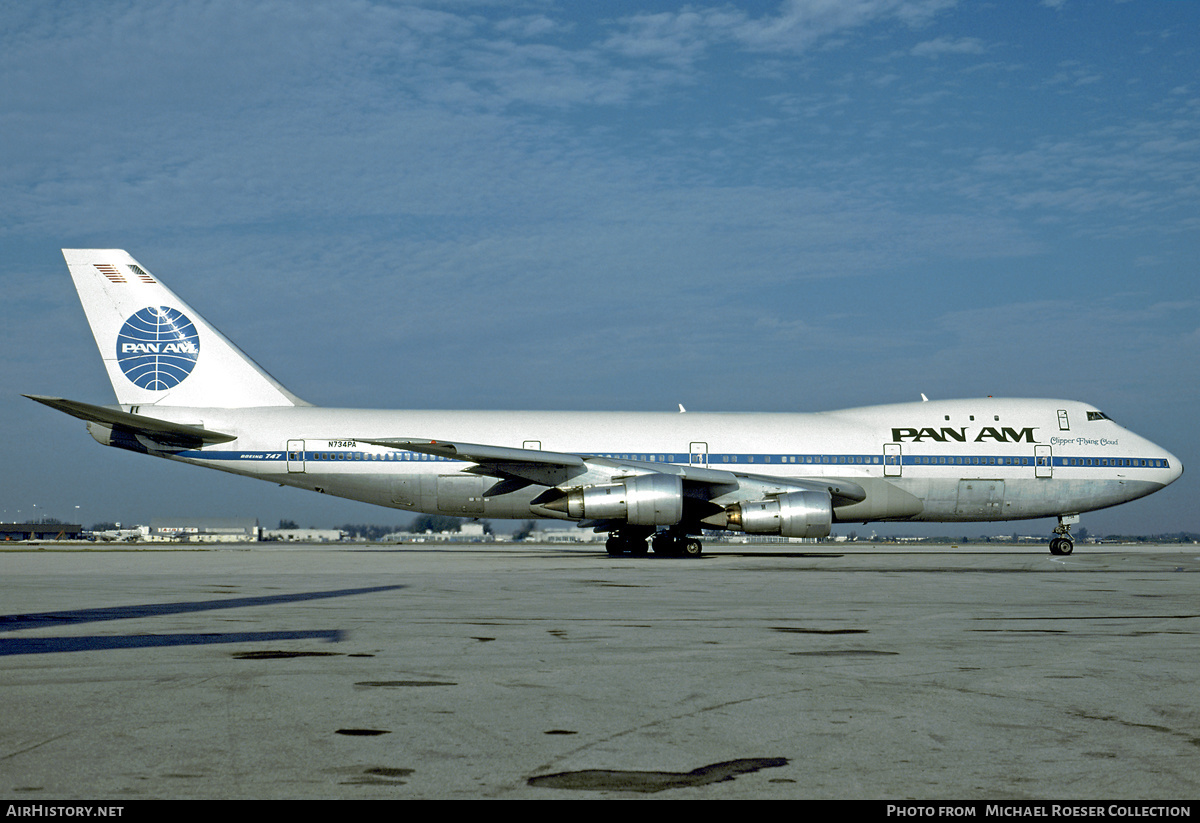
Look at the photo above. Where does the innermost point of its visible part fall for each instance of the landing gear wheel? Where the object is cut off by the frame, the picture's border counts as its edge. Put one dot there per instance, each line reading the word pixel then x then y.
pixel 1061 546
pixel 665 544
pixel 619 544
pixel 671 543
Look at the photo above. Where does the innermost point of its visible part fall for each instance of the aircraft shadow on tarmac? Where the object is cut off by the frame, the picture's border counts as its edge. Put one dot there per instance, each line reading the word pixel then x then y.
pixel 45 645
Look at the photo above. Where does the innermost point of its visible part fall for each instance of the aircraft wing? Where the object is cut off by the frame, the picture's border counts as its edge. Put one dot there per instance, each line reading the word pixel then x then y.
pixel 163 433
pixel 518 468
pixel 477 453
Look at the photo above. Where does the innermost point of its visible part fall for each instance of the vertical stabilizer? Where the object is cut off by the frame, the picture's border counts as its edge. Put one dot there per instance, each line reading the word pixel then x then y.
pixel 157 349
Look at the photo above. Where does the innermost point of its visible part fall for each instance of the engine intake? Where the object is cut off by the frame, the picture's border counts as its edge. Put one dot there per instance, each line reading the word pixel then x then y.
pixel 645 500
pixel 795 514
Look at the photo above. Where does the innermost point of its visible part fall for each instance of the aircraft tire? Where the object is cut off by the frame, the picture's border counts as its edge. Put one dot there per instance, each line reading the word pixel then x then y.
pixel 692 548
pixel 665 545
pixel 1061 546
pixel 618 545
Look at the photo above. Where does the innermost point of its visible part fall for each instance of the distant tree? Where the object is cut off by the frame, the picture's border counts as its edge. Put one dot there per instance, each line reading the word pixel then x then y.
pixel 435 523
pixel 288 524
pixel 526 530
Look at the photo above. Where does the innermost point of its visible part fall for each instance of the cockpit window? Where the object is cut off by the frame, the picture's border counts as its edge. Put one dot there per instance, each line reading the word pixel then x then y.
pixel 1095 415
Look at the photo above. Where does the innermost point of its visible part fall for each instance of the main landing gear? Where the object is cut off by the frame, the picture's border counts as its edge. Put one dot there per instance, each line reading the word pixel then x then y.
pixel 627 541
pixel 676 544
pixel 670 543
pixel 1063 544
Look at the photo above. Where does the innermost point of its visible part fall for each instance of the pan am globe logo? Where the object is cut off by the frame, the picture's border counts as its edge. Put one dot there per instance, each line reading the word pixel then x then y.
pixel 157 348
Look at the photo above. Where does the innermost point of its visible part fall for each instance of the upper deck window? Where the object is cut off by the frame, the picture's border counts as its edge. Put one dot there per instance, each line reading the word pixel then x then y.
pixel 1095 415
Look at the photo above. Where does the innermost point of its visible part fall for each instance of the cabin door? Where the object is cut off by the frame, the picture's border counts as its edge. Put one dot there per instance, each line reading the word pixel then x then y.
pixel 1043 461
pixel 892 460
pixel 295 456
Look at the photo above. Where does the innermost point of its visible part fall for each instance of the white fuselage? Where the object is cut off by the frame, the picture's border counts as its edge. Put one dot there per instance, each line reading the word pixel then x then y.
pixel 958 460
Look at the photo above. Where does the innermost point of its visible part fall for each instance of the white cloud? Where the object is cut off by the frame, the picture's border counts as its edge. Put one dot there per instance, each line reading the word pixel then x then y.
pixel 947 45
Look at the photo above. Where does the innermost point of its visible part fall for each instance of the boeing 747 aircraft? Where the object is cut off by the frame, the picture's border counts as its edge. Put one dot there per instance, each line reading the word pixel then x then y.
pixel 651 480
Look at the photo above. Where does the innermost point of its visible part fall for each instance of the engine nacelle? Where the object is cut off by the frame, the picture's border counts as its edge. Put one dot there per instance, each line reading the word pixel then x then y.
pixel 795 514
pixel 645 500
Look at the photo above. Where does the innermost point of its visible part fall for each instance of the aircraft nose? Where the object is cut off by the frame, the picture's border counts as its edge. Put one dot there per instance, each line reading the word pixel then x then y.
pixel 1176 468
pixel 1173 470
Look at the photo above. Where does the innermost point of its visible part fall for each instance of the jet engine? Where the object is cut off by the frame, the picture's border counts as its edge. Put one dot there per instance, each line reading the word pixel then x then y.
pixel 645 500
pixel 795 514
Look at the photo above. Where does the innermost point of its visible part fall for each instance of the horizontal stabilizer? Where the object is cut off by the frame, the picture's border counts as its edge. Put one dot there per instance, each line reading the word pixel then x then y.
pixel 161 431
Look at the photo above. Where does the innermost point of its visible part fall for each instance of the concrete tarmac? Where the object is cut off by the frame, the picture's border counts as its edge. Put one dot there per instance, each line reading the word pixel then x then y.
pixel 557 672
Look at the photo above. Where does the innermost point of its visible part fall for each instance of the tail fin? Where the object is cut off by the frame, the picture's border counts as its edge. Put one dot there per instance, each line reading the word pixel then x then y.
pixel 157 349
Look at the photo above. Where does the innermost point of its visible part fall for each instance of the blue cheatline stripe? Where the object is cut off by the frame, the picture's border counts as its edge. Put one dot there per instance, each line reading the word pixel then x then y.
pixel 715 460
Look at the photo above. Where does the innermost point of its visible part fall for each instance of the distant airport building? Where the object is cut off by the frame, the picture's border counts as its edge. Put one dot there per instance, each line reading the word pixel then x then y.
pixel 305 535
pixel 40 531
pixel 469 532
pixel 204 530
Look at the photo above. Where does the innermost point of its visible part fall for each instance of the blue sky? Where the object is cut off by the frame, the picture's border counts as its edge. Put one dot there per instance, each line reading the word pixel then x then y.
pixel 780 206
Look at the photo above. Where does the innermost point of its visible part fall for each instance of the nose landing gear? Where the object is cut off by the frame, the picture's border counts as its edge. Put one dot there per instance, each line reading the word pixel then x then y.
pixel 1063 544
